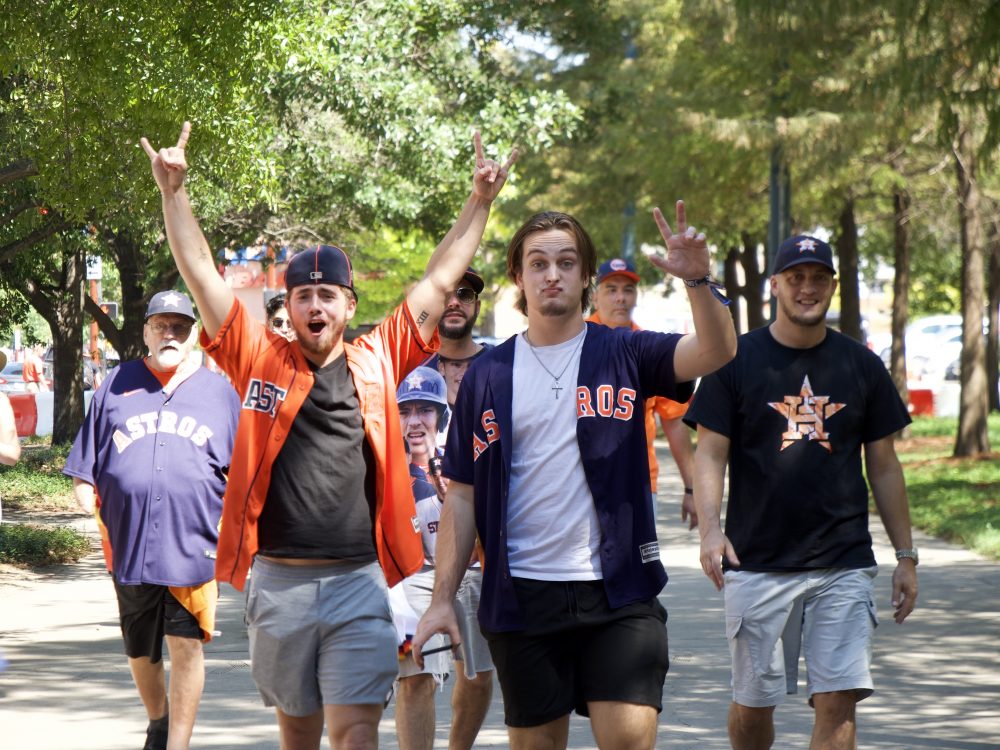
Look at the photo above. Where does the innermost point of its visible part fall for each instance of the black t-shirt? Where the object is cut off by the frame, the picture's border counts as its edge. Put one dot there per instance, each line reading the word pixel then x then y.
pixel 321 500
pixel 797 419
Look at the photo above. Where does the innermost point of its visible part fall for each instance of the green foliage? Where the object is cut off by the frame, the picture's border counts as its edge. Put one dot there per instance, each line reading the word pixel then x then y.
pixel 36 482
pixel 956 499
pixel 32 545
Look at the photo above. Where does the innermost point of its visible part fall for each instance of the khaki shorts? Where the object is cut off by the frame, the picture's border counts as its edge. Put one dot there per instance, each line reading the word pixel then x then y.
pixel 828 615
pixel 320 635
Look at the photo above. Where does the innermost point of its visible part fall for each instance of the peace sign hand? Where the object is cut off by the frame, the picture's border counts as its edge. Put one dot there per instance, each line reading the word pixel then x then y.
pixel 687 252
pixel 169 164
pixel 489 176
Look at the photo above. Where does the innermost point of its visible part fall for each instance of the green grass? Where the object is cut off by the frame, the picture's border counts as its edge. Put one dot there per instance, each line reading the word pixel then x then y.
pixel 33 546
pixel 956 499
pixel 36 483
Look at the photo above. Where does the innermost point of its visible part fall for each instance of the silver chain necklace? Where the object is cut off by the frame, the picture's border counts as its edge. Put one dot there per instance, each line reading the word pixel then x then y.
pixel 555 385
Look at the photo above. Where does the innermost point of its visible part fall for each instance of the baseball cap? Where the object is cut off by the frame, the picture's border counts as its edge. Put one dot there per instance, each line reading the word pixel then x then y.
pixel 423 384
pixel 617 267
pixel 170 302
pixel 322 264
pixel 803 249
pixel 474 280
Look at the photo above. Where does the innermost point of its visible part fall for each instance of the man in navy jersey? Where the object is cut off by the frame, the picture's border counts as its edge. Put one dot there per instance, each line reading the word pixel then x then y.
pixel 791 415
pixel 547 463
pixel 155 446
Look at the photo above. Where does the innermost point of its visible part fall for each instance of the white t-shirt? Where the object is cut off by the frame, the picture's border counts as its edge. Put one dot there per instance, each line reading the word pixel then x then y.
pixel 552 528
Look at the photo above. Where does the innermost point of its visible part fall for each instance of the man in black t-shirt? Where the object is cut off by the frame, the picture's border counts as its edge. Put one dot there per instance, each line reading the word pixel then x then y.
pixel 790 415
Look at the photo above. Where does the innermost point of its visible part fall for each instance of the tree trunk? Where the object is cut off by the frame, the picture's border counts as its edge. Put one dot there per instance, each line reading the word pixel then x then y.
pixel 847 254
pixel 753 288
pixel 61 305
pixel 900 290
pixel 973 437
pixel 992 346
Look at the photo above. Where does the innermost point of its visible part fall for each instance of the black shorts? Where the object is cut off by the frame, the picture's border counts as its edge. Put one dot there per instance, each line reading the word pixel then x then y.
pixel 147 612
pixel 577 649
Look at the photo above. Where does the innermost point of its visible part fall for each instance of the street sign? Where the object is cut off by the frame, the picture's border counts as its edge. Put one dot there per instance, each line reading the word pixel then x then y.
pixel 94 268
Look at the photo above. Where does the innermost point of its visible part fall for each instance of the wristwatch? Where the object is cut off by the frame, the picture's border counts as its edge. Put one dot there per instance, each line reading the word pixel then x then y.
pixel 910 553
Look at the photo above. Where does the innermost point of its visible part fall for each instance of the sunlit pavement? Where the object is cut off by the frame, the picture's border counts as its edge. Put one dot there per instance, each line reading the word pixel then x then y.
pixel 937 677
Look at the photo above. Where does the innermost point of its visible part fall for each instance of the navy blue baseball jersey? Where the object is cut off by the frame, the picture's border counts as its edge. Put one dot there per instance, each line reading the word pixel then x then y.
pixel 619 370
pixel 159 464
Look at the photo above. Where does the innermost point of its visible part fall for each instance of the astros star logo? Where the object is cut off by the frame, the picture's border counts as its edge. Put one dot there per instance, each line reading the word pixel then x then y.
pixel 806 413
pixel 414 381
pixel 806 244
pixel 171 300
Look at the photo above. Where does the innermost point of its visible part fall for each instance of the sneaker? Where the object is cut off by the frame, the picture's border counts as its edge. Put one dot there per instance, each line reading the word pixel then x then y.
pixel 156 734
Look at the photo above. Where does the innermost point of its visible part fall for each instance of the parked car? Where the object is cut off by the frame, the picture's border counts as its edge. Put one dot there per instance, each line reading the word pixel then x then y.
pixel 12 378
pixel 922 336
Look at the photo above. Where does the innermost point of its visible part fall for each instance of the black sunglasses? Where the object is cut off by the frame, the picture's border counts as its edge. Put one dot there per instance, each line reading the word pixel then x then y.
pixel 466 295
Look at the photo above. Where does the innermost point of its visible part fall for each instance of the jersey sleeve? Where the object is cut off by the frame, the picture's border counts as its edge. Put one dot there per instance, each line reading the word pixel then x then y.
pixel 82 458
pixel 398 337
pixel 667 409
pixel 459 454
pixel 654 353
pixel 237 344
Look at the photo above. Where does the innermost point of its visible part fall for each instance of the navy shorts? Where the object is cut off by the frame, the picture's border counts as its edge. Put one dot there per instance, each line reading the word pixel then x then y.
pixel 147 612
pixel 578 649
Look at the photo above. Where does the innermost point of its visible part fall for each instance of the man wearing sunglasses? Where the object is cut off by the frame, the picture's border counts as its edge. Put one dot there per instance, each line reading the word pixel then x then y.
pixel 155 449
pixel 277 317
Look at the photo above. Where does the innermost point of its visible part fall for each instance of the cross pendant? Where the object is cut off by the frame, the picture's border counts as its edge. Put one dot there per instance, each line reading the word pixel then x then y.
pixel 556 387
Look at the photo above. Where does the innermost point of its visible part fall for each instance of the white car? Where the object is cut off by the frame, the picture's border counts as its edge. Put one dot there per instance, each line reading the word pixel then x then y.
pixel 12 378
pixel 922 336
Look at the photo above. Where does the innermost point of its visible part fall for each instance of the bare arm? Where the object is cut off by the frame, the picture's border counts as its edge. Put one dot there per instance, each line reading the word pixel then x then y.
pixel 84 494
pixel 456 538
pixel 710 462
pixel 455 252
pixel 10 446
pixel 713 342
pixel 679 438
pixel 885 475
pixel 188 245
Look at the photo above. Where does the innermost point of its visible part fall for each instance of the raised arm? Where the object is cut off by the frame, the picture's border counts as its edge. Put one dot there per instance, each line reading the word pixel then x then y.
pixel 188 245
pixel 454 254
pixel 885 475
pixel 713 342
pixel 456 538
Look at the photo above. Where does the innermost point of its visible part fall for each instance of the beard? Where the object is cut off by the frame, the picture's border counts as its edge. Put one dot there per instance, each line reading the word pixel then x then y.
pixel 451 329
pixel 323 345
pixel 553 308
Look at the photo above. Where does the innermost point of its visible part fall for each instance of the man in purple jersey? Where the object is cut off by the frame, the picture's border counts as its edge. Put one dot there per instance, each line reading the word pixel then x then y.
pixel 155 449
pixel 547 464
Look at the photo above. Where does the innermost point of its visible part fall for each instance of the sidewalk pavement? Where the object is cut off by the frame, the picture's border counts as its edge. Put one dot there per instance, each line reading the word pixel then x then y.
pixel 937 676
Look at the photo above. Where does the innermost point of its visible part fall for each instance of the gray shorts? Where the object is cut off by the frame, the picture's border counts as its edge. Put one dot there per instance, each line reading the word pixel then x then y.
pixel 320 635
pixel 475 651
pixel 828 615
pixel 417 589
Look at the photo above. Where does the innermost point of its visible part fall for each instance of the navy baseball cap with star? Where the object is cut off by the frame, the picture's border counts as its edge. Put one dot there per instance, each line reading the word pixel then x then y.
pixel 803 249
pixel 170 302
pixel 321 264
pixel 617 267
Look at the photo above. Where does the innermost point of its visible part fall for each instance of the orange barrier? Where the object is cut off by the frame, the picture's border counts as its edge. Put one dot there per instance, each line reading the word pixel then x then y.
pixel 25 413
pixel 921 401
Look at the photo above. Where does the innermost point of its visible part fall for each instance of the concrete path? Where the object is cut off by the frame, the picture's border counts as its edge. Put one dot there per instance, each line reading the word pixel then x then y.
pixel 937 677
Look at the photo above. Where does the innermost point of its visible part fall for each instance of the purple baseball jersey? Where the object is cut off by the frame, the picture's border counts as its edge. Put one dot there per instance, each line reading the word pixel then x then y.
pixel 159 463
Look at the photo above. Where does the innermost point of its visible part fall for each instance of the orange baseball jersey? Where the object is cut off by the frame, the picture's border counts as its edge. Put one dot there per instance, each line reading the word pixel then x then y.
pixel 657 405
pixel 273 378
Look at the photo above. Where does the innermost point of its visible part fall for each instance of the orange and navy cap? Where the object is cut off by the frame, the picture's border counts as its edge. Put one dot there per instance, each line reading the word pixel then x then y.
pixel 322 264
pixel 617 267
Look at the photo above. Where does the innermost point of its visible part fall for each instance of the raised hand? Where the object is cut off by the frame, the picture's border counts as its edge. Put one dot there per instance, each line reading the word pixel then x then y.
pixel 687 251
pixel 169 164
pixel 489 176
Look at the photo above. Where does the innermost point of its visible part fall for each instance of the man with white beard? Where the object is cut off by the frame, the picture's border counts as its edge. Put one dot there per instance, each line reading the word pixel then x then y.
pixel 155 448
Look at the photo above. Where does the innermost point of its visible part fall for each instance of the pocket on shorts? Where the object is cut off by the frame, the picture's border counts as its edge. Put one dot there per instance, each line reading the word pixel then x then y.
pixel 873 612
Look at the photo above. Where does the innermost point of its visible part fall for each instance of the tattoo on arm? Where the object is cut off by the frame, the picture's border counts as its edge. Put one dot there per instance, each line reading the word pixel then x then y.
pixel 422 317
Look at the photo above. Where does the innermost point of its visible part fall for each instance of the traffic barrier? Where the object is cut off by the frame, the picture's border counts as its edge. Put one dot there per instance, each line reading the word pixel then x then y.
pixel 921 402
pixel 33 412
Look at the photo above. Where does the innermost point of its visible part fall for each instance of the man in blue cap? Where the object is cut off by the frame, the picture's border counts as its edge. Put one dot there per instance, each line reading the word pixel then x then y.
pixel 792 415
pixel 319 498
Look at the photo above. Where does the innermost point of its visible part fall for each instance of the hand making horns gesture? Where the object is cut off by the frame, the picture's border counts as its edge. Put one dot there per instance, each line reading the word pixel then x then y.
pixel 489 176
pixel 169 164
pixel 687 252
